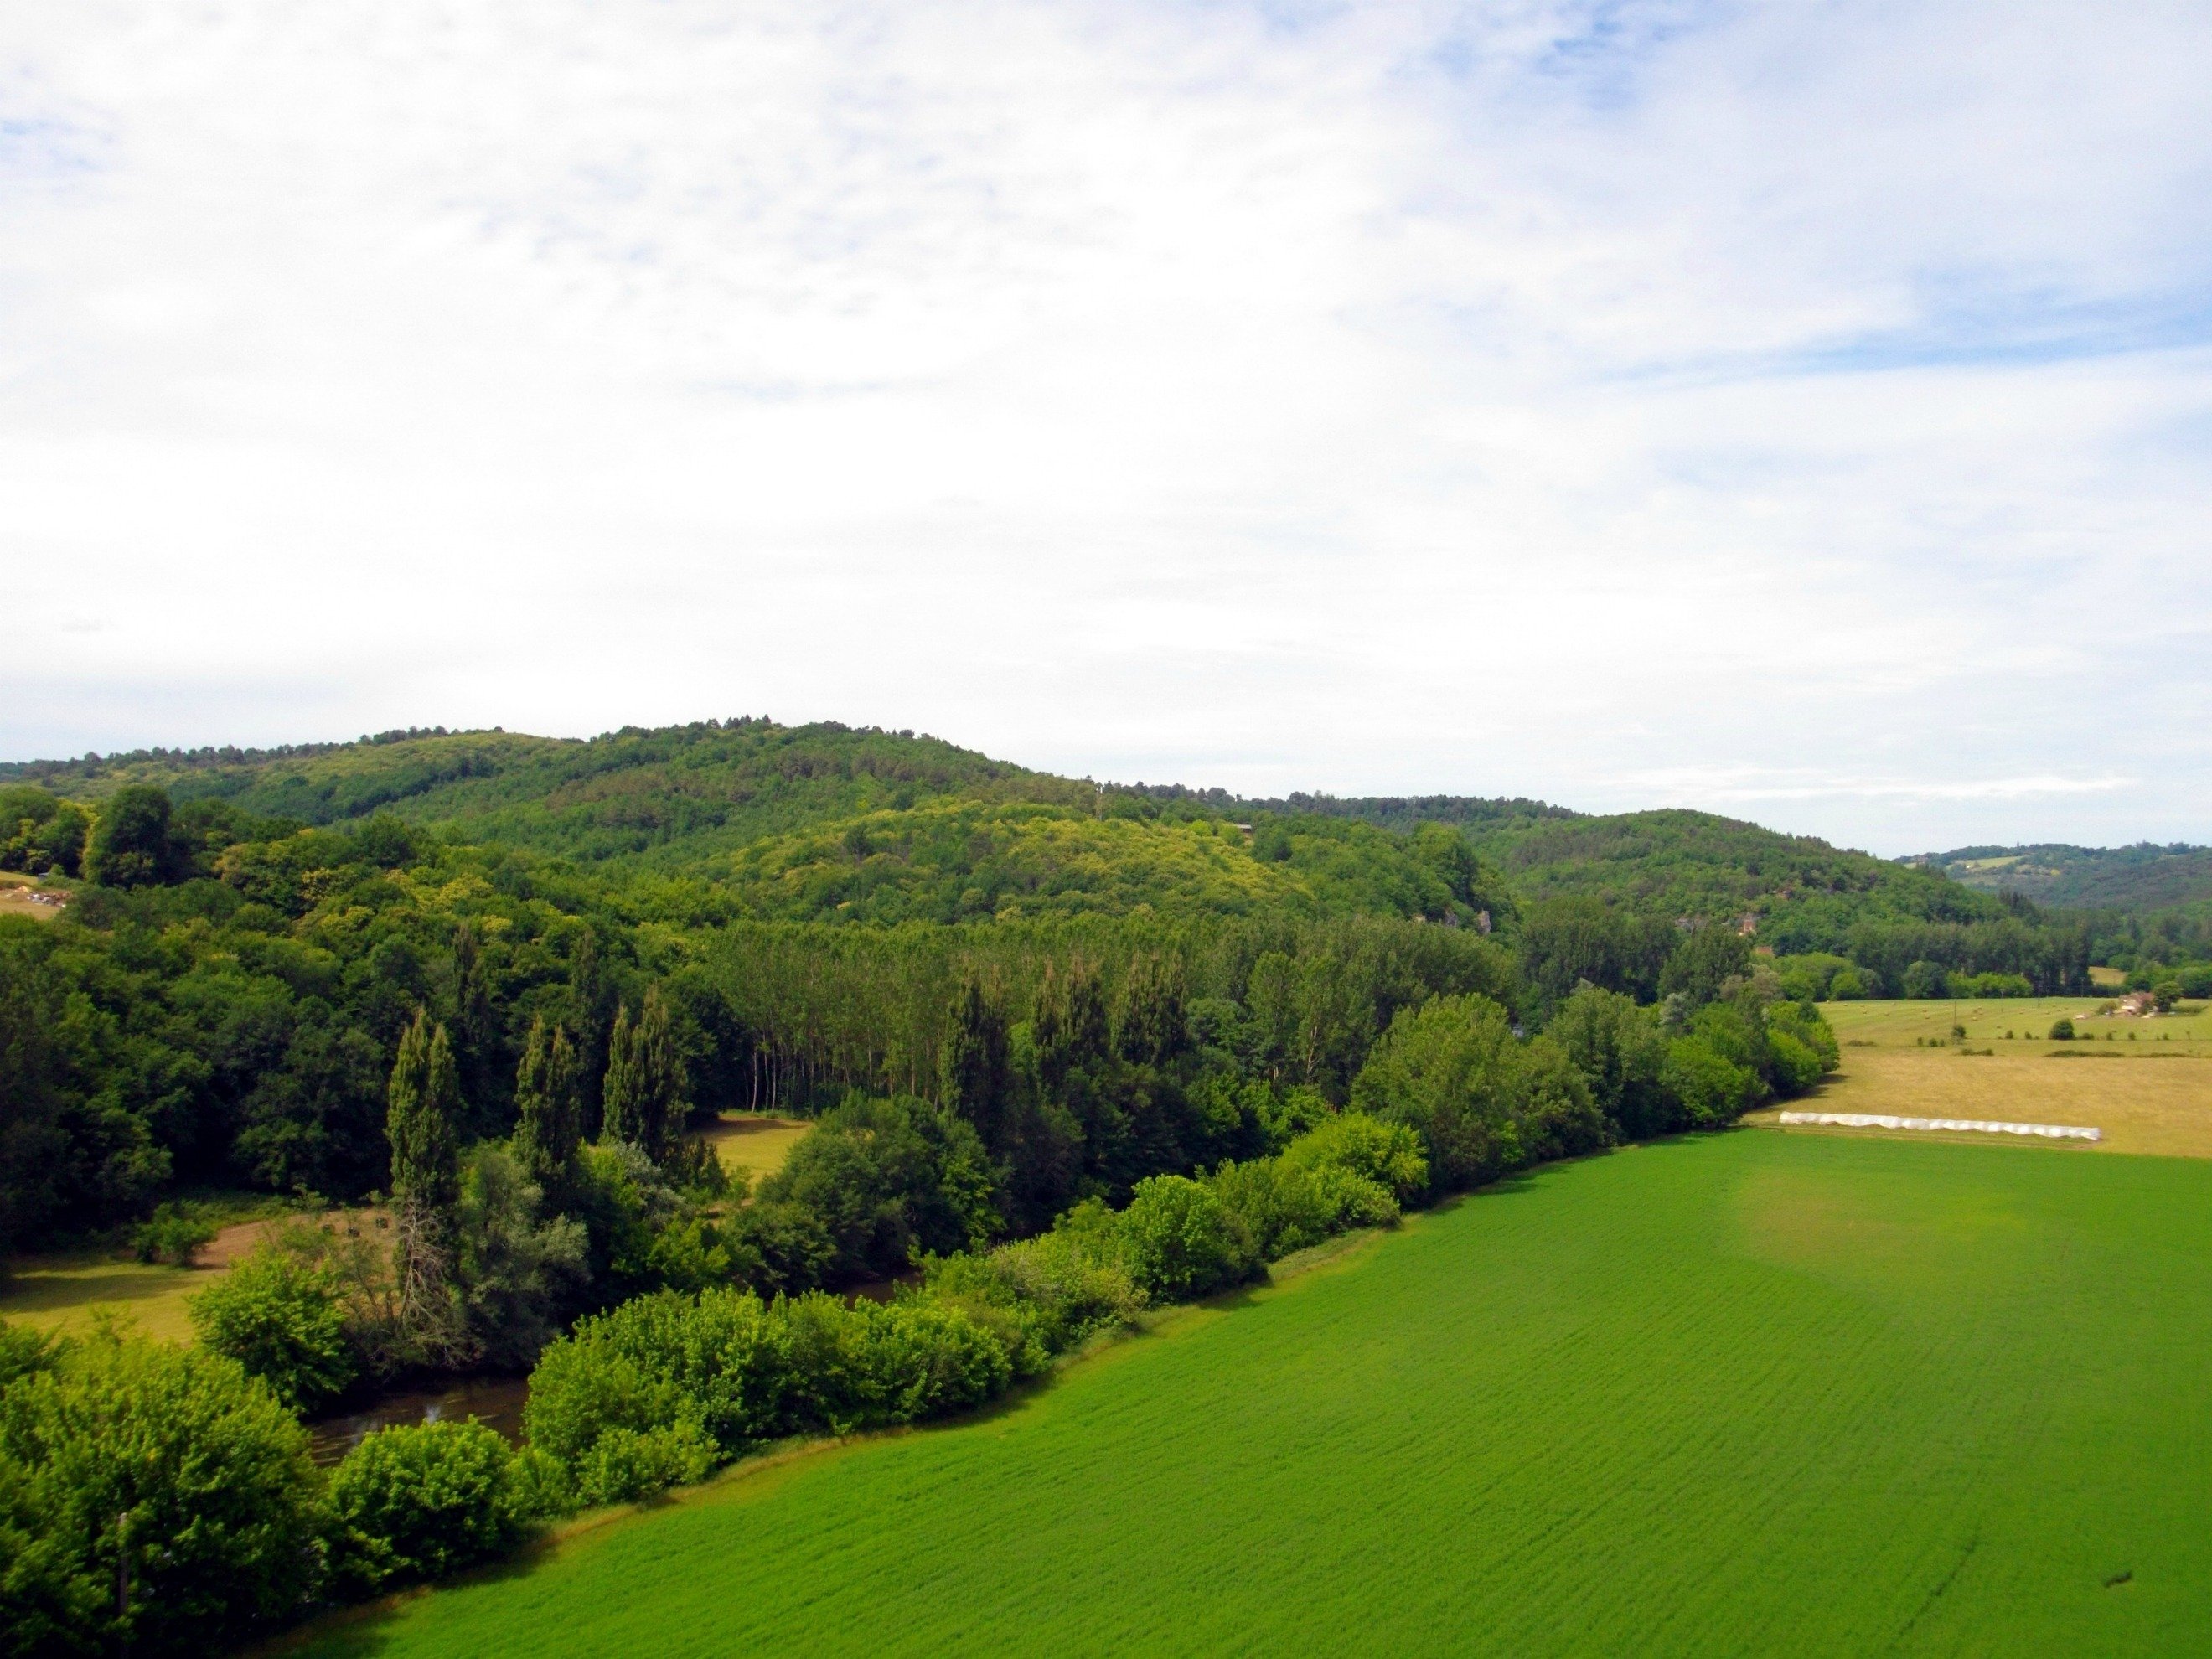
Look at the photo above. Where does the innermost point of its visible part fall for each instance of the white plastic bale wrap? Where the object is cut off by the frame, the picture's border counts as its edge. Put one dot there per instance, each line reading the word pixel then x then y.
pixel 1878 1120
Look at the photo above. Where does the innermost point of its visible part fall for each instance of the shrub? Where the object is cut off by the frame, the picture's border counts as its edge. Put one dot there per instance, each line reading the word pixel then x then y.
pixel 1044 1295
pixel 1849 985
pixel 922 1358
pixel 1387 1154
pixel 172 1235
pixel 2195 981
pixel 282 1319
pixel 623 1465
pixel 2062 1030
pixel 715 1362
pixel 1713 1089
pixel 417 1502
pixel 1178 1242
pixel 177 1456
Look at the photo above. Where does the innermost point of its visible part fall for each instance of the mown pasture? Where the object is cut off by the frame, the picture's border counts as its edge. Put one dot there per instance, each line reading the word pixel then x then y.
pixel 2016 1020
pixel 1898 1057
pixel 1755 1393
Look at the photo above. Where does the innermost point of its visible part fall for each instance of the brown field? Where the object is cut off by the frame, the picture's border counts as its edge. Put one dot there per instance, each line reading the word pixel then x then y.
pixel 2147 1085
pixel 757 1145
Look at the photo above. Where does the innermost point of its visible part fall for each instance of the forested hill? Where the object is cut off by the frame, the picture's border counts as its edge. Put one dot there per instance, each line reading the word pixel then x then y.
pixel 2138 878
pixel 669 798
pixel 862 825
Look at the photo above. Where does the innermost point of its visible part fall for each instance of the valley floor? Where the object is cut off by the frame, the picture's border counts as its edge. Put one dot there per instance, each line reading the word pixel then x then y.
pixel 1753 1392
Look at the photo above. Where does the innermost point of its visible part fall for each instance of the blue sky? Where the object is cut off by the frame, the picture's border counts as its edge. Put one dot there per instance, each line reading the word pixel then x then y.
pixel 1799 411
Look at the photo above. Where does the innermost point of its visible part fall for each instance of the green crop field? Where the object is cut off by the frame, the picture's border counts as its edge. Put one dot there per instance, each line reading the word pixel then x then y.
pixel 1758 1393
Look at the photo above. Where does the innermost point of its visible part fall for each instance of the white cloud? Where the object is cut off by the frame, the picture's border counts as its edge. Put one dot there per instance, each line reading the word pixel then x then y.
pixel 1542 399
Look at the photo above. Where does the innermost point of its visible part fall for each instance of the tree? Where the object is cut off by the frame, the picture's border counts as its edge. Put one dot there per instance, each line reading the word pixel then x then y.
pixel 153 1498
pixel 419 1502
pixel 549 1112
pixel 645 1091
pixel 1703 963
pixel 422 1122
pixel 1151 1030
pixel 973 1078
pixel 1618 1048
pixel 1449 1068
pixel 132 843
pixel 280 1317
pixel 476 1032
pixel 520 1275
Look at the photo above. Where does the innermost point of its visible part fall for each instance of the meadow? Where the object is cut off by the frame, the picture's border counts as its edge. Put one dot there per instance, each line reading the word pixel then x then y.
pixel 1752 1393
pixel 1898 1057
pixel 753 1143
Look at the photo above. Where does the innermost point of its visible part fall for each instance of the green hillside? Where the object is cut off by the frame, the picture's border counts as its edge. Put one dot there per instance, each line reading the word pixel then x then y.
pixel 2138 878
pixel 837 822
pixel 665 798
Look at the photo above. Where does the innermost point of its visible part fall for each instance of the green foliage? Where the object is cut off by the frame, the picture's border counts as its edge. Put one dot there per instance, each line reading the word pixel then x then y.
pixel 1179 1241
pixel 133 843
pixel 40 834
pixel 77 1147
pixel 153 1498
pixel 422 1120
pixel 548 1111
pixel 1711 1088
pixel 681 1383
pixel 647 1094
pixel 1622 1053
pixel 280 1316
pixel 415 1503
pixel 1450 1070
pixel 172 1236
pixel 2062 1030
pixel 520 1273
pixel 1388 1154
pixel 1924 980
pixel 1043 1295
pixel 889 1180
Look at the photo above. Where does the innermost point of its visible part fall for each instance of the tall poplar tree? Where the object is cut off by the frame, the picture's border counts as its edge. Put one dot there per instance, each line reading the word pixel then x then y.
pixel 972 1073
pixel 422 1121
pixel 647 1090
pixel 549 1125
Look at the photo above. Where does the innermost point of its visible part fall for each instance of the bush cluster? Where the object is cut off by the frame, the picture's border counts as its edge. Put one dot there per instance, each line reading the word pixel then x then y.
pixel 667 1386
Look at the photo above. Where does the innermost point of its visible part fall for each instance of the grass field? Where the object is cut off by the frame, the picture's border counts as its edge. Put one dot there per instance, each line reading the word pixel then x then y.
pixel 1758 1393
pixel 754 1144
pixel 50 1294
pixel 1897 1059
pixel 69 1291
pixel 2029 1019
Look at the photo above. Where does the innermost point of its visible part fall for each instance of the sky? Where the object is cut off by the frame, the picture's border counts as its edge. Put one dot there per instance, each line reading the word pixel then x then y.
pixel 1799 411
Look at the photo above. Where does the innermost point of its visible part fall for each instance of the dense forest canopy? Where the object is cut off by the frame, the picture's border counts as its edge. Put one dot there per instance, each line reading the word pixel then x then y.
pixel 251 934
